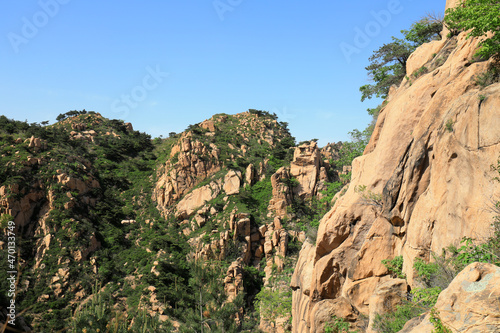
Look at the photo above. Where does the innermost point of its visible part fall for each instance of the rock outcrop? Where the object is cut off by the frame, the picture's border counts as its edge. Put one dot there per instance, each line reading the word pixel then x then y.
pixel 305 168
pixel 196 199
pixel 232 182
pixel 471 303
pixel 191 162
pixel 282 193
pixel 428 162
pixel 306 177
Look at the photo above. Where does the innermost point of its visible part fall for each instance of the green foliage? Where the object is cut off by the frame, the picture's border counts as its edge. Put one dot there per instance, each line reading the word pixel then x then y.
pixel 175 158
pixel 369 197
pixel 387 68
pixel 5 219
pixel 425 30
pixel 395 266
pixel 331 190
pixel 449 125
pixel 352 149
pixel 121 165
pixel 419 72
pixel 439 327
pixel 211 310
pixel 388 63
pixel 274 302
pixel 71 113
pixel 98 315
pixel 425 271
pixel 426 297
pixel 393 321
pixel 492 75
pixel 479 18
pixel 338 325
pixel 261 113
pixel 470 251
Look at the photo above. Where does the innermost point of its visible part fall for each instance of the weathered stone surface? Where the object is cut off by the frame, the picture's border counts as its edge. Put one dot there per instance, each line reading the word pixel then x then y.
pixel 250 174
pixel 422 55
pixel 209 125
pixel 301 285
pixel 196 199
pixel 282 194
pixel 385 298
pixel 233 282
pixel 232 182
pixel 359 293
pixel 471 302
pixel 305 167
pixel 433 182
pixel 195 162
pixel 326 309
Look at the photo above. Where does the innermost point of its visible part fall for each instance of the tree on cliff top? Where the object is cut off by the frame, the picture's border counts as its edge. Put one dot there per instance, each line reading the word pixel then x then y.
pixel 481 17
pixel 388 63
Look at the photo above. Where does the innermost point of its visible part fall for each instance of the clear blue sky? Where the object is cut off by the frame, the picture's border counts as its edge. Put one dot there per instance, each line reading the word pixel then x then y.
pixel 223 56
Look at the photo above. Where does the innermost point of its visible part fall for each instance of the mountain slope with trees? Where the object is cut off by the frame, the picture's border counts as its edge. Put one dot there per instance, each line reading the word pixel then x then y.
pixel 198 230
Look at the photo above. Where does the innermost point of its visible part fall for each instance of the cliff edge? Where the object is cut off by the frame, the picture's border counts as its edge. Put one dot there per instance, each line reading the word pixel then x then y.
pixel 423 183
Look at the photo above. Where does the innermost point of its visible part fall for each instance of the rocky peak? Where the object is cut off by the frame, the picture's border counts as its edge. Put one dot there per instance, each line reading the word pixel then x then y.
pixel 211 146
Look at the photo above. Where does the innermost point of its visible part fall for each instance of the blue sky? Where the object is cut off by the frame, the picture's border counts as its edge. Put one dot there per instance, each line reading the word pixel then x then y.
pixel 164 65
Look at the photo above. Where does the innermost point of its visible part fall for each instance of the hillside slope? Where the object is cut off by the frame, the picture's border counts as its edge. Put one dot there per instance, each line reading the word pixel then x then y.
pixel 424 182
pixel 211 218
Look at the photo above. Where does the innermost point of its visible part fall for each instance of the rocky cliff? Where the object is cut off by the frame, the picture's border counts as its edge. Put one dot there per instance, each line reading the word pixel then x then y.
pixel 232 184
pixel 423 183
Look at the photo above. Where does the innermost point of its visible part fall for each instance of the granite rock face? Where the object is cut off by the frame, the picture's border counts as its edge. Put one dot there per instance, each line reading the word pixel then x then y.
pixel 471 302
pixel 425 181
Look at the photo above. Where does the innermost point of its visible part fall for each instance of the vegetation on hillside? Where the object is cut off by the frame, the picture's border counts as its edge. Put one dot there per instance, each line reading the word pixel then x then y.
pixel 480 19
pixel 136 251
pixel 121 163
pixel 150 249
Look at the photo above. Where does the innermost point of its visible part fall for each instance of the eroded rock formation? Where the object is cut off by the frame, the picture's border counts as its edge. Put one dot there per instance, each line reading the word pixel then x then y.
pixel 469 304
pixel 428 162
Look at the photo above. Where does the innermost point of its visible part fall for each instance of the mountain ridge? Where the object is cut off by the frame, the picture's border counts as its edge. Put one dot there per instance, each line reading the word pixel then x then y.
pixel 94 200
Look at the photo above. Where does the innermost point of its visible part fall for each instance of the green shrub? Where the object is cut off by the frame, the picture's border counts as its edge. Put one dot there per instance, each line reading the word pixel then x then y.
pixel 175 158
pixel 439 327
pixel 98 315
pixel 426 297
pixel 419 72
pixel 425 271
pixel 337 325
pixel 393 321
pixel 480 19
pixel 492 75
pixel 5 219
pixel 449 125
pixel 470 252
pixel 395 266
pixel 369 197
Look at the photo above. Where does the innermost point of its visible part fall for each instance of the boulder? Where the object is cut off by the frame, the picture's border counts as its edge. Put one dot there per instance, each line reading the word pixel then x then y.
pixel 471 302
pixel 385 298
pixel 250 175
pixel 232 182
pixel 197 198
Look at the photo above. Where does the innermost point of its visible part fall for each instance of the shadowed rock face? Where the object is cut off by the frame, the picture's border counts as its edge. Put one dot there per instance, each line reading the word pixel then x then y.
pixel 429 161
